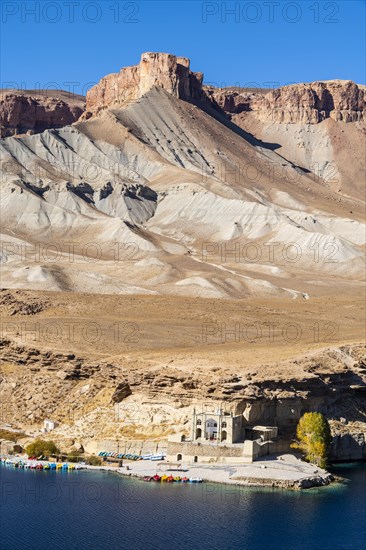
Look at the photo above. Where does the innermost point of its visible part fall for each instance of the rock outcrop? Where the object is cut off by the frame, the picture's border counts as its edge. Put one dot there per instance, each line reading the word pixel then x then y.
pixel 299 103
pixel 21 306
pixel 32 112
pixel 122 391
pixel 348 446
pixel 342 101
pixel 155 69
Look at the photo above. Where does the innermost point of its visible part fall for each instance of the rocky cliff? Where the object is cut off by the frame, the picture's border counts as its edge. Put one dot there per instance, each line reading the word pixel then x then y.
pixel 299 103
pixel 155 69
pixel 93 400
pixel 319 126
pixel 35 111
pixel 32 112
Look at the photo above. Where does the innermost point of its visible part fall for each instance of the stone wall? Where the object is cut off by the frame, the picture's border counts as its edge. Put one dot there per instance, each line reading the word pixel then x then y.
pixel 132 446
pixel 204 453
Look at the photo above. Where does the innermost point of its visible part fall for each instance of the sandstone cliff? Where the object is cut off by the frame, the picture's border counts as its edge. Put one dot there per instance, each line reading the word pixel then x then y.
pixel 299 103
pixel 155 69
pixel 319 126
pixel 32 112
pixel 176 186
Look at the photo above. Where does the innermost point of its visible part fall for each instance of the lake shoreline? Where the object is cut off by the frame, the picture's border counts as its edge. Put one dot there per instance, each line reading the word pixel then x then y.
pixel 288 476
pixel 281 472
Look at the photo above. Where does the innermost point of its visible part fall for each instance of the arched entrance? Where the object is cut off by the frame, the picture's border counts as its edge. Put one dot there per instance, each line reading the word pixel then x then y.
pixel 223 435
pixel 195 459
pixel 179 457
pixel 198 433
pixel 211 428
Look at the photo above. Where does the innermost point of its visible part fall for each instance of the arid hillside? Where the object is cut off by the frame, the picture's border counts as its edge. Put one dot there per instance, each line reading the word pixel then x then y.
pixel 107 367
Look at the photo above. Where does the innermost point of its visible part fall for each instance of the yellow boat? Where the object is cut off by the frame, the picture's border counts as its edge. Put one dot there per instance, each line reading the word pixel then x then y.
pixel 58 466
pixel 164 478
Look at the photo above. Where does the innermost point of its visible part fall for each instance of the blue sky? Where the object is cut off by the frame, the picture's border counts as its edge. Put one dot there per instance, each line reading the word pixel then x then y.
pixel 72 44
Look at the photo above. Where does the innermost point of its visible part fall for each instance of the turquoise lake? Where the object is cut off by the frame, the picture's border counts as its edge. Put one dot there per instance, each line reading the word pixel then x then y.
pixel 97 510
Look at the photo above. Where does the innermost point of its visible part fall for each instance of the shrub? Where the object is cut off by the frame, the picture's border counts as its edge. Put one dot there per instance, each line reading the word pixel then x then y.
pixel 313 438
pixel 72 458
pixel 73 455
pixel 94 460
pixel 41 447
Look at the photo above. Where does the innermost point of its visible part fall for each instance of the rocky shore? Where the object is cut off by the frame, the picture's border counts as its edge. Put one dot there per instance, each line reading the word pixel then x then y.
pixel 281 471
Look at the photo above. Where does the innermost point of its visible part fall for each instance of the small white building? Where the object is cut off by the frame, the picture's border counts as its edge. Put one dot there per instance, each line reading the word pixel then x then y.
pixel 48 425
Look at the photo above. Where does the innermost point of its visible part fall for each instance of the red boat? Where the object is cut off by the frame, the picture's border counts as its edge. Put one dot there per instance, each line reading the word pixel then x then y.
pixel 170 479
pixel 156 477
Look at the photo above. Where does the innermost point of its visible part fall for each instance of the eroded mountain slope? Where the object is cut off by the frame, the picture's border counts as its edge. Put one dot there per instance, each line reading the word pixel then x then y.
pixel 319 126
pixel 156 191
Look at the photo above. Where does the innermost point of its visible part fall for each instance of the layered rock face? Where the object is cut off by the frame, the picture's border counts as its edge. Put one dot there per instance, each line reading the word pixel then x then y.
pixel 33 112
pixel 155 69
pixel 342 101
pixel 27 112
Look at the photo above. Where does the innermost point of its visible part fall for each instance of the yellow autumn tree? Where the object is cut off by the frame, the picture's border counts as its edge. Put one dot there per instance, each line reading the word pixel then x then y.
pixel 313 438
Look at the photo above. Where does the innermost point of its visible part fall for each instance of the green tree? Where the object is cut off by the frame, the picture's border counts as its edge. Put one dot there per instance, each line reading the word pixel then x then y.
pixel 313 438
pixel 41 447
